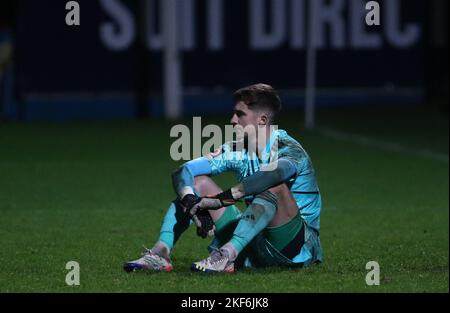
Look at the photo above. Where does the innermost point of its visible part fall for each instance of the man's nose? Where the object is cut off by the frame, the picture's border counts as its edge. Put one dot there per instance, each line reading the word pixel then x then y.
pixel 234 120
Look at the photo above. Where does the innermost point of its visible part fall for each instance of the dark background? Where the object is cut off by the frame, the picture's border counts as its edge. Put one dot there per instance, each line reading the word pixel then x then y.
pixel 53 65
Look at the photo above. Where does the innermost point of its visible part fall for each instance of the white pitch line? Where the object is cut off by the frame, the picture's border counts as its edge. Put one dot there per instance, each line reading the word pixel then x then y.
pixel 384 145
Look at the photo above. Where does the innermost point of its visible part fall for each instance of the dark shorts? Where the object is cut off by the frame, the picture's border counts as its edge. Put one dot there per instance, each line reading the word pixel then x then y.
pixel 261 253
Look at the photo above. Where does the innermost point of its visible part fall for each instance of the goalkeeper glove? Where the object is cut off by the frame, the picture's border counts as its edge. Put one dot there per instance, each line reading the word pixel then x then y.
pixel 189 201
pixel 213 203
pixel 202 219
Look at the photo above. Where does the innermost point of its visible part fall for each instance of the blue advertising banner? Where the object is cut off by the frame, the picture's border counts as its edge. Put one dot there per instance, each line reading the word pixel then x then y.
pixel 224 44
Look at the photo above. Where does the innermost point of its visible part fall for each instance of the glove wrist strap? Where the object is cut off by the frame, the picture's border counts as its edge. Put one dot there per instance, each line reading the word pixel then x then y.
pixel 226 198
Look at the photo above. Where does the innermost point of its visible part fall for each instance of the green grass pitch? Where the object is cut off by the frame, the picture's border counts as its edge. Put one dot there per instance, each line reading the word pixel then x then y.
pixel 95 192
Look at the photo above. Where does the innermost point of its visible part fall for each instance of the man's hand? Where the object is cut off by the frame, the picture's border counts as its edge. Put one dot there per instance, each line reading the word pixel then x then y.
pixel 202 219
pixel 188 201
pixel 207 226
pixel 206 204
pixel 213 202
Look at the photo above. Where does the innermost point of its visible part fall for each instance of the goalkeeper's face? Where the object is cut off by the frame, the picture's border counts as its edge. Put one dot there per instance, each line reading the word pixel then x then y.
pixel 247 119
pixel 243 116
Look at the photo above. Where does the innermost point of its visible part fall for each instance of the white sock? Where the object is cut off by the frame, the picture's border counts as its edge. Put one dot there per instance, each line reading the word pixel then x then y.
pixel 161 249
pixel 232 252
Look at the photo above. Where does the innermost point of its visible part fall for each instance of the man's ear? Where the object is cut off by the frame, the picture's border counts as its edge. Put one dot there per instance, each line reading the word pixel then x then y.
pixel 263 119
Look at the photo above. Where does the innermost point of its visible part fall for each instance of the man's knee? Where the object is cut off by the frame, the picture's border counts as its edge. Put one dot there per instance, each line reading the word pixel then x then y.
pixel 201 181
pixel 287 206
pixel 280 189
pixel 268 196
pixel 206 186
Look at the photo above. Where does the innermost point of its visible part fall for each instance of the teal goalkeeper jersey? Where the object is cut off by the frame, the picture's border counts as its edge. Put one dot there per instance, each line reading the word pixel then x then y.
pixel 303 185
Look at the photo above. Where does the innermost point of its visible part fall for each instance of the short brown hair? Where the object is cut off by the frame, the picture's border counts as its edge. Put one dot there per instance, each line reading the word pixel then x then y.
pixel 259 96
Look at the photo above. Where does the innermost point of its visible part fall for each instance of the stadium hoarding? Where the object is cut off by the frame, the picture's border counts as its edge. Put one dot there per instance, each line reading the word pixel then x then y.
pixel 116 49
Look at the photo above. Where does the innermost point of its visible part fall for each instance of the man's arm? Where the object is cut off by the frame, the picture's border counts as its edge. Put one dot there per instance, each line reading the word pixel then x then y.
pixel 251 185
pixel 264 179
pixel 183 184
pixel 183 177
pixel 213 163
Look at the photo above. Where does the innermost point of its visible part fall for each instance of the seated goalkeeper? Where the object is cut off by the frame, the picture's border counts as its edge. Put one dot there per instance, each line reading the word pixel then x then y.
pixel 280 225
